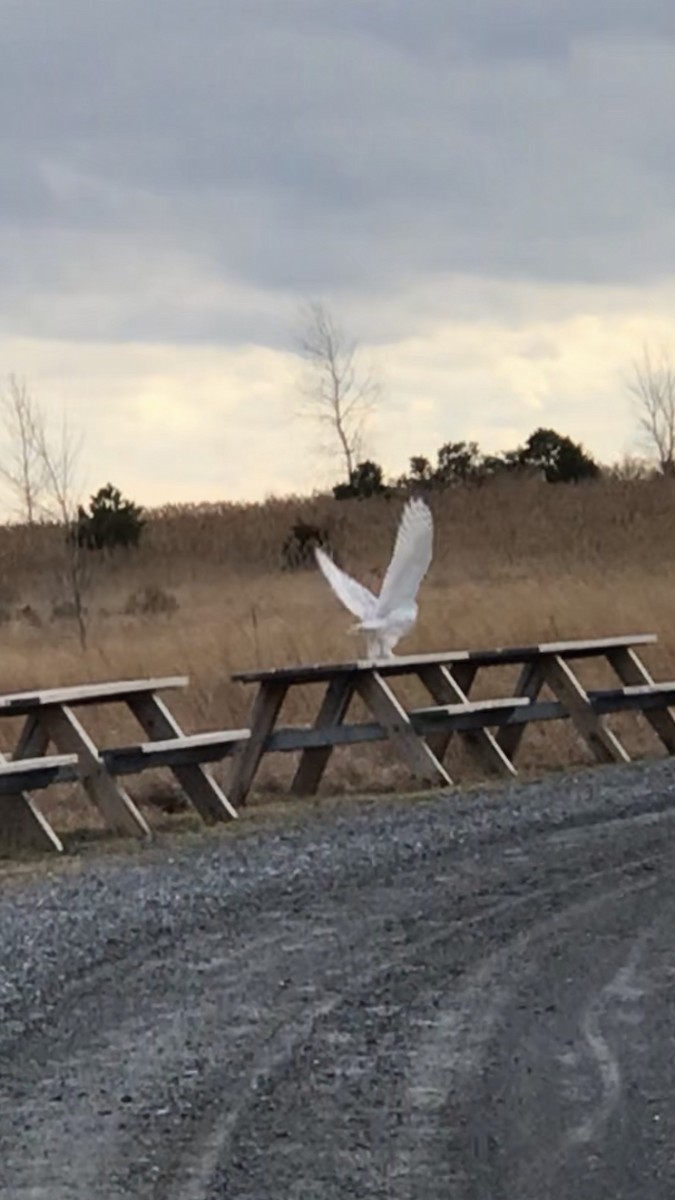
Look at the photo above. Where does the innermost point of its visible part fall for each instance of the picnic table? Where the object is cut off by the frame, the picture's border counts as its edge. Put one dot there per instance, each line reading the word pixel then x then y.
pixel 492 728
pixel 50 717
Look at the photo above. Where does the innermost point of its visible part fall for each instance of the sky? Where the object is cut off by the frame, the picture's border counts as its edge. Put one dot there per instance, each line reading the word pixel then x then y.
pixel 480 192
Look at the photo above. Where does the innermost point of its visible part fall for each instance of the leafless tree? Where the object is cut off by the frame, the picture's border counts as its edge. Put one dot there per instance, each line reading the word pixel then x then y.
pixel 652 385
pixel 59 456
pixel 21 465
pixel 340 392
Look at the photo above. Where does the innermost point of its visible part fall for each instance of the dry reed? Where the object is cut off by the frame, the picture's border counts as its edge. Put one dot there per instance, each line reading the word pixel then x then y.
pixel 515 561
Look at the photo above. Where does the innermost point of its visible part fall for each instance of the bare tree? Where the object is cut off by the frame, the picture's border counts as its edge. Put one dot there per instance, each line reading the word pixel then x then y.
pixel 340 392
pixel 59 457
pixel 652 386
pixel 21 465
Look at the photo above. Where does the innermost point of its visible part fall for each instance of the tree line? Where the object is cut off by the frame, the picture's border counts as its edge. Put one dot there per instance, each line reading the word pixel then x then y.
pixel 546 455
pixel 341 393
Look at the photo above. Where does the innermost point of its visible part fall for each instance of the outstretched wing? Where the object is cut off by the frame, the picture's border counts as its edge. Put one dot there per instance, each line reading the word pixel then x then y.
pixel 353 595
pixel 411 558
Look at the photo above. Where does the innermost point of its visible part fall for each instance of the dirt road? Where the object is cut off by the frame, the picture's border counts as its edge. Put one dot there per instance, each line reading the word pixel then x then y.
pixel 468 998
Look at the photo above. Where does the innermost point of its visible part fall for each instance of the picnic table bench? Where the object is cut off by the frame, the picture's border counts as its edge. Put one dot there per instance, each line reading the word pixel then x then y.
pixel 492 728
pixel 50 717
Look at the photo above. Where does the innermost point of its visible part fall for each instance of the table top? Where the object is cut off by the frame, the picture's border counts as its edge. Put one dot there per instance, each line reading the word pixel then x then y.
pixel 106 692
pixel 411 664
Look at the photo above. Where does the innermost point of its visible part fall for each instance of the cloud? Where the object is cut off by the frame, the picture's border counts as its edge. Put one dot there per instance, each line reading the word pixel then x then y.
pixel 483 192
pixel 294 147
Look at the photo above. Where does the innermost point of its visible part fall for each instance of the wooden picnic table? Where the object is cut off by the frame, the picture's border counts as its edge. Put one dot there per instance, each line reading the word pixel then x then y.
pixel 50 717
pixel 421 737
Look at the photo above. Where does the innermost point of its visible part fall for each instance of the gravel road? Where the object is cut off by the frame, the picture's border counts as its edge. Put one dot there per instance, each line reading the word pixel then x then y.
pixel 466 997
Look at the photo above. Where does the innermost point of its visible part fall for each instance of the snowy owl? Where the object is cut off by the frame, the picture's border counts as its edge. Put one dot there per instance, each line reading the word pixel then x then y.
pixel 388 617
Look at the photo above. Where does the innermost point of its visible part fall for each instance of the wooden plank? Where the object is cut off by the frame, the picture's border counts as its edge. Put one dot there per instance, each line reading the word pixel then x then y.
pixel 503 713
pixel 410 664
pixel 22 825
pixel 462 676
pixel 529 685
pixel 445 689
pixel 160 725
pixel 325 672
pixel 427 722
pixel 116 807
pixel 593 728
pixel 264 712
pixel 631 670
pixel 332 712
pixel 23 703
pixel 387 710
pixel 643 699
pixel 33 739
pixel 173 752
pixel 36 773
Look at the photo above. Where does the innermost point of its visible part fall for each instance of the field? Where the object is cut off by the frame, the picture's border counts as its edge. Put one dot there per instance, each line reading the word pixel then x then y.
pixel 515 561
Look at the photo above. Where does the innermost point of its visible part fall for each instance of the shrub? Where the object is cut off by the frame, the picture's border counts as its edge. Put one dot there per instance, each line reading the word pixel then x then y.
pixel 110 521
pixel 366 480
pixel 298 548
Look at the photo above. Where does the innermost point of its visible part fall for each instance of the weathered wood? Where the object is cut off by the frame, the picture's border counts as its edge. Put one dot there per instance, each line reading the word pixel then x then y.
pixel 23 703
pixel 445 689
pixel 446 684
pixel 593 728
pixel 529 685
pixel 264 712
pixel 647 699
pixel 332 712
pixel 410 664
pixel 463 674
pixel 391 714
pixel 33 773
pixel 631 670
pixel 426 722
pixel 201 789
pixel 116 807
pixel 22 825
pixel 173 752
pixel 503 713
pixel 33 739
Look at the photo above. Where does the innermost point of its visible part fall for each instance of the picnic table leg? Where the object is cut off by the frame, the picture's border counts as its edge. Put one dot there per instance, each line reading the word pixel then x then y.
pixel 604 744
pixel 69 736
pixel 198 784
pixel 444 687
pixel 21 822
pixel 461 678
pixel 631 670
pixel 391 714
pixel 265 710
pixel 529 684
pixel 332 712
pixel 23 825
pixel 33 739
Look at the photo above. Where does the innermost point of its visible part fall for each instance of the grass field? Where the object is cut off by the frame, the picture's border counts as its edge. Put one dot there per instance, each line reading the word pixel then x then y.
pixel 514 561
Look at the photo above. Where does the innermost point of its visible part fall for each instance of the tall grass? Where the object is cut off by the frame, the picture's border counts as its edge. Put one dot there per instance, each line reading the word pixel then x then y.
pixel 514 561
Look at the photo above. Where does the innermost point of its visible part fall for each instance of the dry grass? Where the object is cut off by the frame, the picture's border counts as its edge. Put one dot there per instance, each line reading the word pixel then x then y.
pixel 515 562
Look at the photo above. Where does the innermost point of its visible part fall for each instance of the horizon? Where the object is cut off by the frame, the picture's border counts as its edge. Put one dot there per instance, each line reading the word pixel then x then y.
pixel 469 191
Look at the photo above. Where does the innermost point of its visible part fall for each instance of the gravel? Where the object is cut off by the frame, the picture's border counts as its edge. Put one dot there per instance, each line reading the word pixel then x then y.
pixel 463 995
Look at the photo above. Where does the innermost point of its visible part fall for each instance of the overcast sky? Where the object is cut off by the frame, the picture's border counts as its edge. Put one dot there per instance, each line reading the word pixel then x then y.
pixel 483 193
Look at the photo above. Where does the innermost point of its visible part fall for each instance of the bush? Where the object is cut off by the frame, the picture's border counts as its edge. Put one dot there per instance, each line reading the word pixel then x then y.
pixel 559 458
pixel 298 548
pixel 110 521
pixel 366 480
